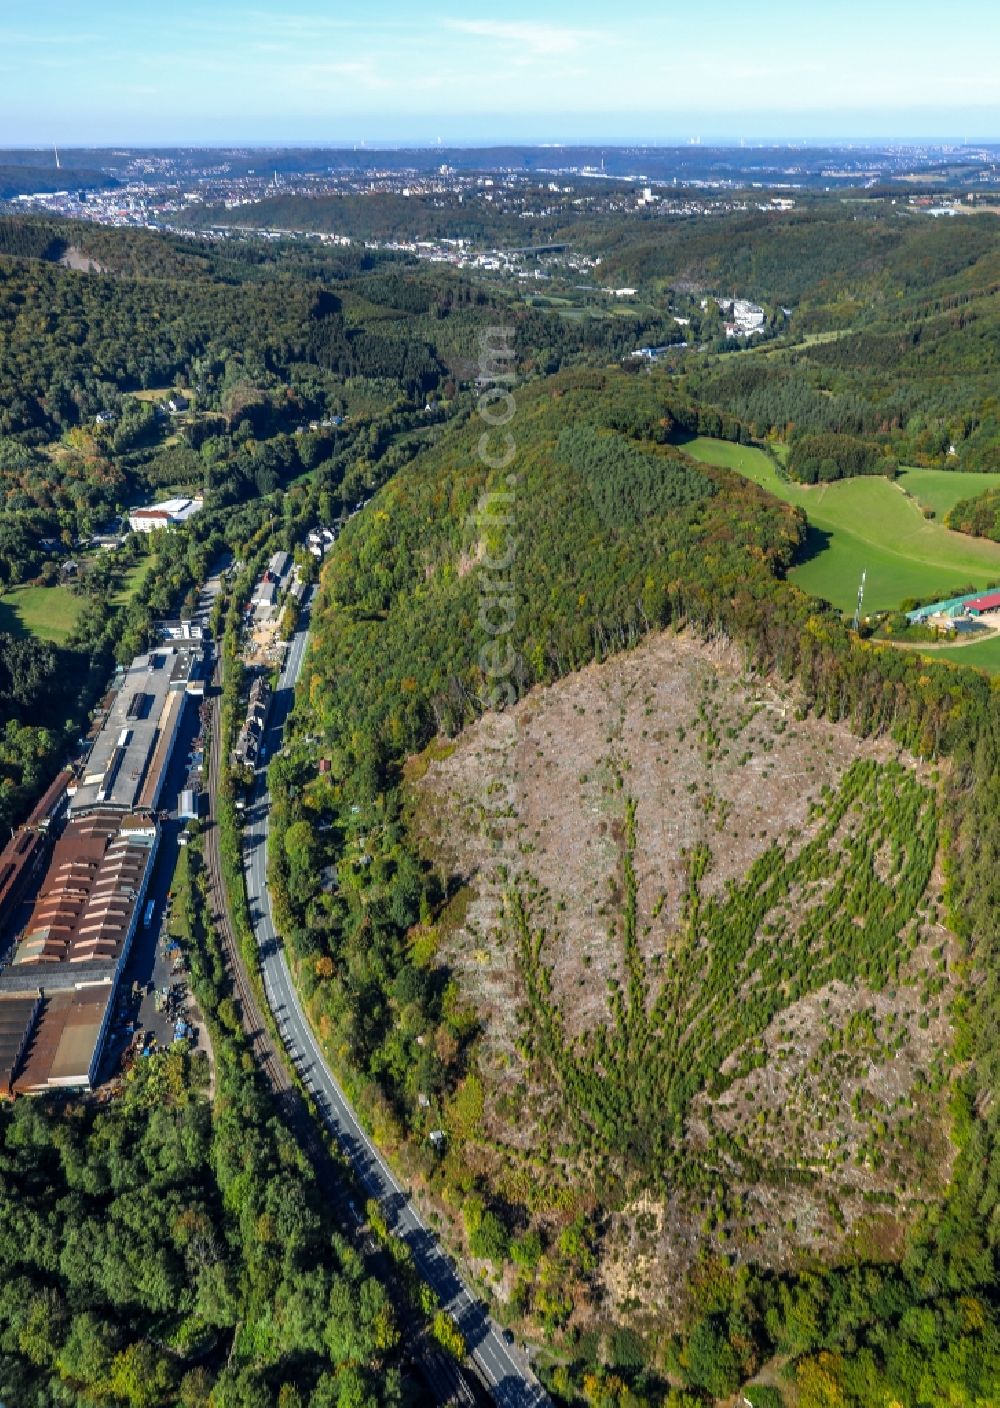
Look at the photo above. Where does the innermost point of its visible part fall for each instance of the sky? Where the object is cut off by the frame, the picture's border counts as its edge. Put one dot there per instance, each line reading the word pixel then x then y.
pixel 110 72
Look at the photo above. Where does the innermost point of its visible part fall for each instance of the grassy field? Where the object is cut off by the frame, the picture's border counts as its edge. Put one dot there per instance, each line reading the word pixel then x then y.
pixel 49 613
pixel 941 489
pixel 983 654
pixel 153 393
pixel 132 580
pixel 869 524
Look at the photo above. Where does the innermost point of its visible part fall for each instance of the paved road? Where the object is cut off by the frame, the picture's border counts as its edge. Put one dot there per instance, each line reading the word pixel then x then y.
pixel 503 1366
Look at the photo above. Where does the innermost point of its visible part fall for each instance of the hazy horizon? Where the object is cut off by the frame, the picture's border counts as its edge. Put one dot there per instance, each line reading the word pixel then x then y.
pixel 944 139
pixel 651 76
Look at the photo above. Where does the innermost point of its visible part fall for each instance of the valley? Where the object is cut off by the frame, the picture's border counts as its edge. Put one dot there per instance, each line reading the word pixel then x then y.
pixel 663 999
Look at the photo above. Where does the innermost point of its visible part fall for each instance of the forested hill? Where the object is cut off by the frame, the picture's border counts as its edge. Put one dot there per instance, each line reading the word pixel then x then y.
pixel 402 653
pixel 893 318
pixel 600 515
pixel 833 258
pixel 381 216
pixel 289 323
pixel 293 361
pixel 893 336
pixel 140 1238
pixel 23 180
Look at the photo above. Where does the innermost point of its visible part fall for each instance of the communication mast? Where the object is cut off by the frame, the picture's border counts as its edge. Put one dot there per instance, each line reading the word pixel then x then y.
pixel 58 163
pixel 861 598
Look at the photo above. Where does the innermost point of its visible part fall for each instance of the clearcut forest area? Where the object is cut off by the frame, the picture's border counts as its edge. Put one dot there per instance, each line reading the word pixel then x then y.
pixel 677 977
pixel 704 937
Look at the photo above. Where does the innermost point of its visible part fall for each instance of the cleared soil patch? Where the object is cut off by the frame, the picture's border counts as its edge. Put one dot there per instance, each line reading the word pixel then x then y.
pixel 74 258
pixel 598 798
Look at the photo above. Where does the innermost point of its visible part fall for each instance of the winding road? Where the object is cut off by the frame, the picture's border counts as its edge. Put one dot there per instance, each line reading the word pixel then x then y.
pixel 502 1366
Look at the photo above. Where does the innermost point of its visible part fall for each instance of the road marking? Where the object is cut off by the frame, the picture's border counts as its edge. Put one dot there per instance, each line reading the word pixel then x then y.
pixel 338 1114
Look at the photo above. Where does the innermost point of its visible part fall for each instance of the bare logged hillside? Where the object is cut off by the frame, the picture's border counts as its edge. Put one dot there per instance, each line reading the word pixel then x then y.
pixel 697 931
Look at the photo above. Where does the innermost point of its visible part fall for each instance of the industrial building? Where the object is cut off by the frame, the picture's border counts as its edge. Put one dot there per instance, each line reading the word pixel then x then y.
pixel 950 609
pixel 25 852
pixel 268 590
pixel 181 630
pixel 279 565
pixel 89 900
pixel 945 614
pixel 130 754
pixel 984 605
pixel 88 873
pixel 18 1017
pixel 62 978
pixel 53 1040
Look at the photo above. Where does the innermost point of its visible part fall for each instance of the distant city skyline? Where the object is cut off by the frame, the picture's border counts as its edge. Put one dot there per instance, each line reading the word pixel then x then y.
pixel 656 74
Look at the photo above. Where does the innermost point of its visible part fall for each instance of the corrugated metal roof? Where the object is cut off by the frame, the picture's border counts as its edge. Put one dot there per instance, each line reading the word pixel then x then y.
pixel 89 894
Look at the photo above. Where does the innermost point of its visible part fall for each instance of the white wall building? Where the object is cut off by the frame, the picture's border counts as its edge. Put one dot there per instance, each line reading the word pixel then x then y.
pixel 167 514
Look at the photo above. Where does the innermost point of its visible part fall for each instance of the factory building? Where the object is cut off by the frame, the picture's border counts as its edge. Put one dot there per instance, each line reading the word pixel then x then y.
pixel 88 873
pixel 86 908
pixel 26 851
pixel 131 752
pixel 62 978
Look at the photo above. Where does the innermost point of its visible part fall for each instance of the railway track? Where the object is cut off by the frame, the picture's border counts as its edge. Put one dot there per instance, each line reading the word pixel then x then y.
pixel 449 1385
pixel 255 1029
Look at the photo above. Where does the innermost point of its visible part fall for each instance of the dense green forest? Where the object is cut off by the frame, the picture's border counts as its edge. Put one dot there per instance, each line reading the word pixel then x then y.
pixel 894 318
pixel 299 364
pixel 387 215
pixel 894 332
pixel 819 459
pixel 165 1250
pixel 833 259
pixel 23 180
pixel 240 324
pixel 979 515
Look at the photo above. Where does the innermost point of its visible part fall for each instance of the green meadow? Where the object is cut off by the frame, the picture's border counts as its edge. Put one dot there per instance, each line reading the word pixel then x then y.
pixel 873 525
pixel 941 489
pixel 979 652
pixel 49 613
pixel 985 655
pixel 131 580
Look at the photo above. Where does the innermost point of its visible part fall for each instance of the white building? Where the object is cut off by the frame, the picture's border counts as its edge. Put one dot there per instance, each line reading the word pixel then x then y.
pixel 320 541
pixel 167 514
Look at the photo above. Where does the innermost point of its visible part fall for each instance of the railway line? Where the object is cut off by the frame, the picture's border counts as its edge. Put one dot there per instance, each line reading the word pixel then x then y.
pixel 261 1045
pixel 448 1384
